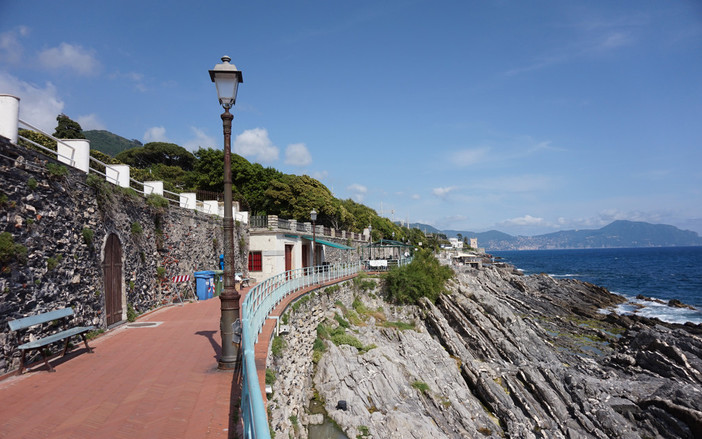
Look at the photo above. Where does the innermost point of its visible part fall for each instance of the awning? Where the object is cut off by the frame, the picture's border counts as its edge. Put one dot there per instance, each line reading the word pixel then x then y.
pixel 329 243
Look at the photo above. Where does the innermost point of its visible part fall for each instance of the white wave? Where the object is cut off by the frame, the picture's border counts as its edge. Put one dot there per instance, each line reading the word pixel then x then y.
pixel 651 309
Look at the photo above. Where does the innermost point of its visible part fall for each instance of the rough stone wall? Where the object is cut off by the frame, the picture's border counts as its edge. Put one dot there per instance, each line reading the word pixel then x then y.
pixel 50 262
pixel 336 255
pixel 294 368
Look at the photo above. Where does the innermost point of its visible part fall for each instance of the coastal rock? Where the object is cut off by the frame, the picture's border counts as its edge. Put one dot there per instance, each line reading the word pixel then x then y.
pixel 505 355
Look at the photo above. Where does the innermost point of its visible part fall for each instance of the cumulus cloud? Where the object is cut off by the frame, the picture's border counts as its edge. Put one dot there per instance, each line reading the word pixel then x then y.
pixel 297 155
pixel 358 192
pixel 201 140
pixel 155 134
pixel 70 57
pixel 255 144
pixel 90 122
pixel 10 47
pixel 469 157
pixel 38 106
pixel 443 191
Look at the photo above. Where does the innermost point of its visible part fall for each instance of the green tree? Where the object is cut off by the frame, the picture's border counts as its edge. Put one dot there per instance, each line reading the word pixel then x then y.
pixel 154 153
pixel 68 128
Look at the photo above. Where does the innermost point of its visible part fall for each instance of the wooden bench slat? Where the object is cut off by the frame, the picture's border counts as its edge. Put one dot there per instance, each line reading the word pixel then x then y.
pixel 26 322
pixel 55 337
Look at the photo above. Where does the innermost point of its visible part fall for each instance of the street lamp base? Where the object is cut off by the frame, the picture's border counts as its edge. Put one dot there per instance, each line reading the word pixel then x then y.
pixel 227 365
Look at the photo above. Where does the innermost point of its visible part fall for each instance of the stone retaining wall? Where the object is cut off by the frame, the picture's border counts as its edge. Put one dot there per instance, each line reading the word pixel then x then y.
pixel 55 222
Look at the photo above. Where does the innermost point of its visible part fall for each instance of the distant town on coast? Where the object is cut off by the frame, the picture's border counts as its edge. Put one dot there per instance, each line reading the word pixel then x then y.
pixel 618 234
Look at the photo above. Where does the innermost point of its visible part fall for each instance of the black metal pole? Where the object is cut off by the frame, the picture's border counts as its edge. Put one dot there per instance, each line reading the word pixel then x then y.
pixel 314 245
pixel 230 296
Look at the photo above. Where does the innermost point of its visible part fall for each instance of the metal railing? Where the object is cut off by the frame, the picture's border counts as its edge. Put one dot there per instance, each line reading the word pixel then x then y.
pixel 259 303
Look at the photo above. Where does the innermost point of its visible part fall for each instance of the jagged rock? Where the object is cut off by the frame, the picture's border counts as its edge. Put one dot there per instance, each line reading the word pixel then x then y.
pixel 506 355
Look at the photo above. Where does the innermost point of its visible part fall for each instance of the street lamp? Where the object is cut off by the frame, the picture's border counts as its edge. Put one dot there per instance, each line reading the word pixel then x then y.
pixel 313 217
pixel 227 78
pixel 370 235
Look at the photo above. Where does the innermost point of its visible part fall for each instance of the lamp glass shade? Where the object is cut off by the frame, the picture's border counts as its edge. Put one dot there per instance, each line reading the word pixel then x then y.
pixel 227 84
pixel 226 78
pixel 313 215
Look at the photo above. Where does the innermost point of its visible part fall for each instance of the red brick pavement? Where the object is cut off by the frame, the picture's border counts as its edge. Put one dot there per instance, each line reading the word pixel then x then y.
pixel 148 382
pixel 140 382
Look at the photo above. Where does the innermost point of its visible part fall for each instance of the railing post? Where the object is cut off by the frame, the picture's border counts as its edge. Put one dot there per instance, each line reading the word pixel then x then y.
pixel 74 152
pixel 188 200
pixel 117 174
pixel 211 207
pixel 9 117
pixel 153 187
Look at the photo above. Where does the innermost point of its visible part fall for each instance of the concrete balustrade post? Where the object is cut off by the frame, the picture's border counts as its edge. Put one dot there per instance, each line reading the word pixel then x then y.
pixel 75 153
pixel 188 200
pixel 117 174
pixel 211 207
pixel 9 117
pixel 153 187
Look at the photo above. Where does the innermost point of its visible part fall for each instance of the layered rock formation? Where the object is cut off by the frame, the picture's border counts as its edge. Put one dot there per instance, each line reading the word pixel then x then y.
pixel 502 355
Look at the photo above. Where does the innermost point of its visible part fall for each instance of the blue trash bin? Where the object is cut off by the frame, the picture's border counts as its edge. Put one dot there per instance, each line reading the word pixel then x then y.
pixel 204 284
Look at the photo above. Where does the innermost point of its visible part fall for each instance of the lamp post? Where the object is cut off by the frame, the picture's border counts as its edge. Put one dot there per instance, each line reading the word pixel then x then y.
pixel 370 235
pixel 227 78
pixel 313 217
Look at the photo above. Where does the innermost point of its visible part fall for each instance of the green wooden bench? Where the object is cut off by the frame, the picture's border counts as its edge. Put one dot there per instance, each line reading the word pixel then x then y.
pixel 39 344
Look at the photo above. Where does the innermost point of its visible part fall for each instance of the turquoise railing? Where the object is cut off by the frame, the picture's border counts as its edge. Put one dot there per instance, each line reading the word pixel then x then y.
pixel 260 301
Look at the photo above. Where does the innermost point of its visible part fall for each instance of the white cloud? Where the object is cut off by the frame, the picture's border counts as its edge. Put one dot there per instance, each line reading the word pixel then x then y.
pixel 321 175
pixel 526 220
pixel 10 47
pixel 516 184
pixel 38 106
pixel 416 196
pixel 297 155
pixel 358 192
pixel 469 157
pixel 155 134
pixel 201 140
pixel 615 40
pixel 90 122
pixel 136 78
pixel 443 191
pixel 71 57
pixel 255 144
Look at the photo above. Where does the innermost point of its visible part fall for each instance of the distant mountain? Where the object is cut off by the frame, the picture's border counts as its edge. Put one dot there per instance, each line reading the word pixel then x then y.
pixel 426 228
pixel 109 143
pixel 617 234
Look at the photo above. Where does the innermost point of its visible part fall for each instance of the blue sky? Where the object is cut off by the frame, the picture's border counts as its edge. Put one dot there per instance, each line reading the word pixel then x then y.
pixel 522 116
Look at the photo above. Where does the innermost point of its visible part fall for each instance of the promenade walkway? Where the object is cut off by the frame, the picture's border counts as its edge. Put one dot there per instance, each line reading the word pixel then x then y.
pixel 141 382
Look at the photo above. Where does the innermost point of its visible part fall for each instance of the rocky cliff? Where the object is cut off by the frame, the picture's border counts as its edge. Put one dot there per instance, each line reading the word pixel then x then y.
pixel 502 355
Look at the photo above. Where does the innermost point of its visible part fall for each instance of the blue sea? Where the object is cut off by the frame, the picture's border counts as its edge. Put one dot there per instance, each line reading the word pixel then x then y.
pixel 660 273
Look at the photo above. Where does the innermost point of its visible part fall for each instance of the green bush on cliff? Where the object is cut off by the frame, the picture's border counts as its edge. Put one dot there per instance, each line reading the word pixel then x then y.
pixel 10 251
pixel 423 277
